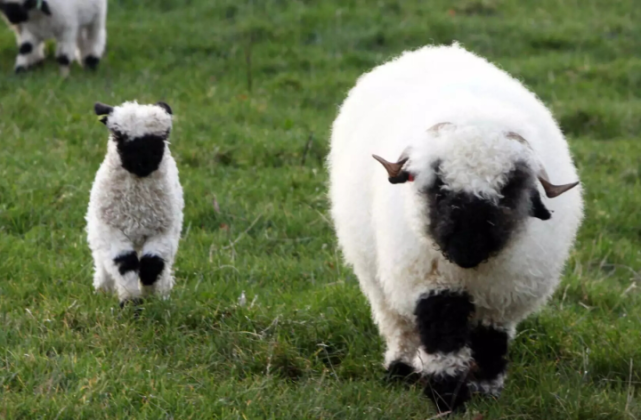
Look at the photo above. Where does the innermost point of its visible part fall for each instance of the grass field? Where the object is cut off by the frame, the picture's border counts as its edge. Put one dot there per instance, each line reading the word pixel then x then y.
pixel 254 86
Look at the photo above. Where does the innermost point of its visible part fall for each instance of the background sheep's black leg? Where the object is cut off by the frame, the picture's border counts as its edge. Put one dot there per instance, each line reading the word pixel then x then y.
pixel 443 320
pixel 489 349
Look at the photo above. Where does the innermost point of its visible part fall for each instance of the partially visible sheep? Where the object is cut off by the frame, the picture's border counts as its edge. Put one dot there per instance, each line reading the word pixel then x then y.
pixel 464 241
pixel 136 208
pixel 78 26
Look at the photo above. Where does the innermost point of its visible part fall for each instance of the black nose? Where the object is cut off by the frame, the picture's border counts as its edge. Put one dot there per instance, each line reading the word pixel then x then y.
pixel 466 255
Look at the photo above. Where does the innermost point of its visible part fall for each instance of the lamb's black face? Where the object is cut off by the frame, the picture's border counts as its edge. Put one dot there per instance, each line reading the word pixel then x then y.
pixel 470 230
pixel 141 156
pixel 16 13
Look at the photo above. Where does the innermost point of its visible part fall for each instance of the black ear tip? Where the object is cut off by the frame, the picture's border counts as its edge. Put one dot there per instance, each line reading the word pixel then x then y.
pixel 102 109
pixel 165 106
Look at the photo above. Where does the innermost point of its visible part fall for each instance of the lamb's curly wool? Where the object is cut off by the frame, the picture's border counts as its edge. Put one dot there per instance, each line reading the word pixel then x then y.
pixel 78 26
pixel 135 213
pixel 472 187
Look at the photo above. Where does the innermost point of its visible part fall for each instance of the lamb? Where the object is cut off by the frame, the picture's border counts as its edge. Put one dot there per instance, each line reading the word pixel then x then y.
pixel 78 26
pixel 467 238
pixel 135 211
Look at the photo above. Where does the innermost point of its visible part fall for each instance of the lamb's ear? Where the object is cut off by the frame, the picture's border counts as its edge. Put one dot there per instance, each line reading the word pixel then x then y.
pixel 44 7
pixel 538 209
pixel 103 111
pixel 395 170
pixel 164 106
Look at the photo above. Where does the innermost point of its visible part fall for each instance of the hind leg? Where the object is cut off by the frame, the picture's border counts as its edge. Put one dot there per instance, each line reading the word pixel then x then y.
pixel 93 44
pixel 401 339
pixel 102 281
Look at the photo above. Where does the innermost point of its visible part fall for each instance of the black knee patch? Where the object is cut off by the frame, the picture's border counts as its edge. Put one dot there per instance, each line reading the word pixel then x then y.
pixel 91 62
pixel 449 393
pixel 26 48
pixel 150 268
pixel 443 320
pixel 20 69
pixel 127 262
pixel 399 371
pixel 63 60
pixel 489 350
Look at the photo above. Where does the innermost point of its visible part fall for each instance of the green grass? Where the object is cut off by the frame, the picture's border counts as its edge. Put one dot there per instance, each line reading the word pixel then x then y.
pixel 304 345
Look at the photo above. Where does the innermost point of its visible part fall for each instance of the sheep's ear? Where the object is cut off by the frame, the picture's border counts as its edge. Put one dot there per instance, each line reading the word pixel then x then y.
pixel 395 170
pixel 164 106
pixel 44 7
pixel 103 111
pixel 538 209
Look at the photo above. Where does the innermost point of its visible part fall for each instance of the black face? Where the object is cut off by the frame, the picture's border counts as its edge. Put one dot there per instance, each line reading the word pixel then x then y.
pixel 469 230
pixel 15 12
pixel 141 156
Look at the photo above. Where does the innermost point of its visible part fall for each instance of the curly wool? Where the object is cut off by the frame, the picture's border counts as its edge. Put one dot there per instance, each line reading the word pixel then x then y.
pixel 78 27
pixel 127 212
pixel 382 229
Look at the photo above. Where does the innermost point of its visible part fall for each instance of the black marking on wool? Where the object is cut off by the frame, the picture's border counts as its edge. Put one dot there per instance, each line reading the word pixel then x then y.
pixel 489 350
pixel 165 106
pixel 91 62
pixel 142 155
pixel 538 209
pixel 14 12
pixel 150 268
pixel 442 318
pixel 470 230
pixel 449 393
pixel 399 371
pixel 127 262
pixel 25 48
pixel 63 60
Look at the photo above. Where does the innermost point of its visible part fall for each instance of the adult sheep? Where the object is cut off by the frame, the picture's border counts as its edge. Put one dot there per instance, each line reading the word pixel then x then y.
pixel 76 25
pixel 469 235
pixel 135 211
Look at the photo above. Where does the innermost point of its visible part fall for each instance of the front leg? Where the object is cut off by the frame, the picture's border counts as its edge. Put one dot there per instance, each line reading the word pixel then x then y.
pixel 489 344
pixel 155 264
pixel 29 51
pixel 443 320
pixel 66 49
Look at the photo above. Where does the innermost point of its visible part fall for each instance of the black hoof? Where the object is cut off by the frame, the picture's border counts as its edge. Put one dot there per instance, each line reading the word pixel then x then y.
pixel 449 393
pixel 134 302
pixel 91 62
pixel 401 372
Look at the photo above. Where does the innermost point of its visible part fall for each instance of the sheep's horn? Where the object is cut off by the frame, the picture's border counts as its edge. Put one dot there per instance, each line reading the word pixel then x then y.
pixel 435 128
pixel 394 170
pixel 550 189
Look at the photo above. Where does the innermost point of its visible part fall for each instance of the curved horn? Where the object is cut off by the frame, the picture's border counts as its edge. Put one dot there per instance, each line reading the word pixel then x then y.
pixel 437 127
pixel 550 189
pixel 395 171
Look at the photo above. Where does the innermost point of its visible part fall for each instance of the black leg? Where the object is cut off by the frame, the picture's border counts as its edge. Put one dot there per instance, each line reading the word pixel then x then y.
pixel 489 350
pixel 443 323
pixel 151 267
pixel 399 371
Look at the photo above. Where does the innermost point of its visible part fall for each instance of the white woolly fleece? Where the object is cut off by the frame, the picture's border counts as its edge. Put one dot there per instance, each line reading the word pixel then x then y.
pixel 127 212
pixel 78 26
pixel 382 228
pixel 137 120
